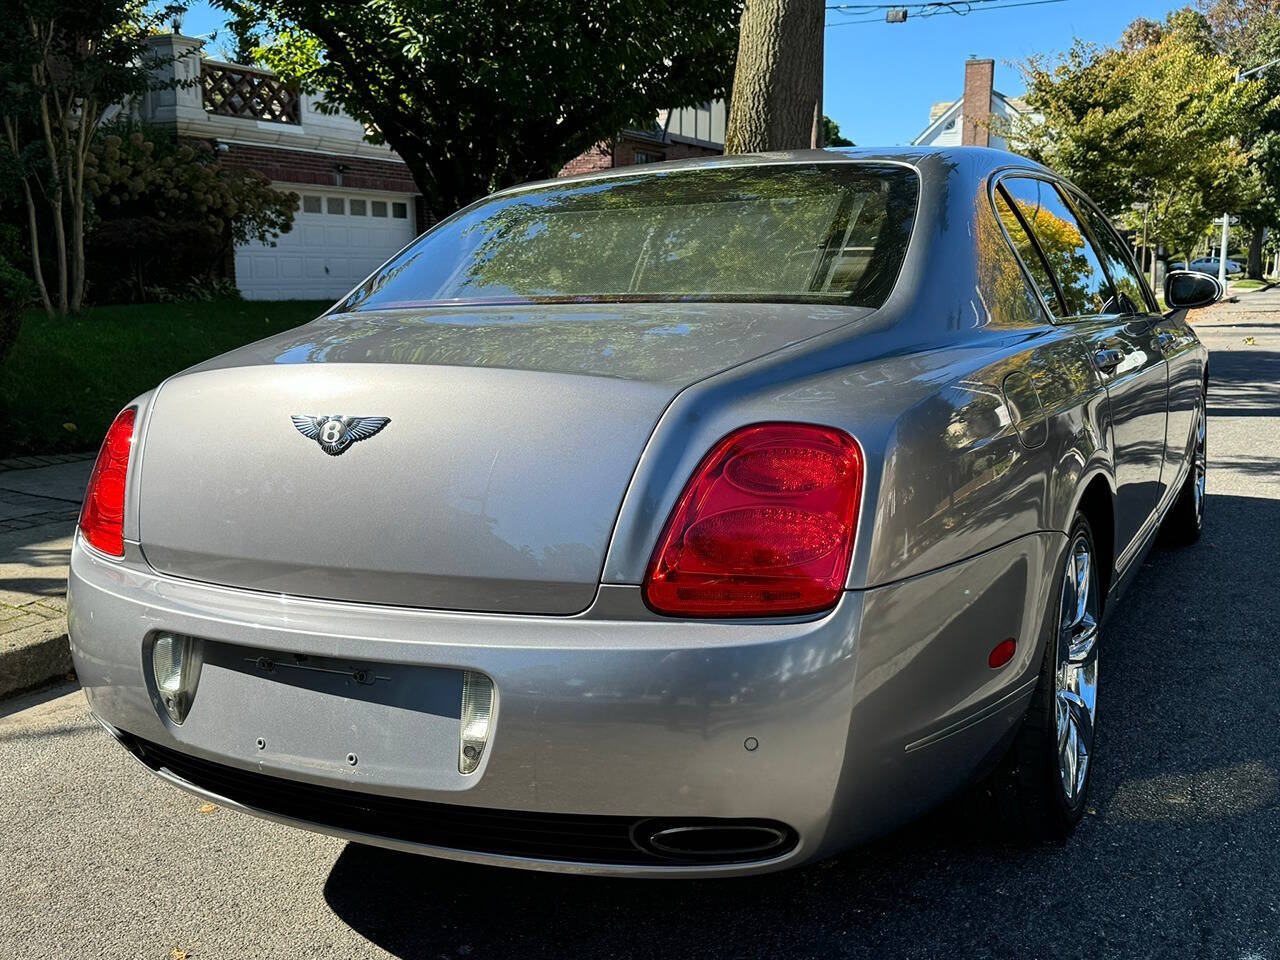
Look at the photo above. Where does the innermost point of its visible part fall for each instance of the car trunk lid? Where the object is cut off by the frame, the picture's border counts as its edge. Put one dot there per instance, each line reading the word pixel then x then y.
pixel 511 437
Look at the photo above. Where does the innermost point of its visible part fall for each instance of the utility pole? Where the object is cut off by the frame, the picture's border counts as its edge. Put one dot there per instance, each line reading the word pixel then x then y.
pixel 1140 248
pixel 1222 251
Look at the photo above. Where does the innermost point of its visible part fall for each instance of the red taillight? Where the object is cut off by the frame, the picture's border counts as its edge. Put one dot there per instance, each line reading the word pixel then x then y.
pixel 102 516
pixel 764 528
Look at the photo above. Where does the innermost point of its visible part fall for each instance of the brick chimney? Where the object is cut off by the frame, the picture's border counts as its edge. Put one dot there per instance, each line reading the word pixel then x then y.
pixel 979 79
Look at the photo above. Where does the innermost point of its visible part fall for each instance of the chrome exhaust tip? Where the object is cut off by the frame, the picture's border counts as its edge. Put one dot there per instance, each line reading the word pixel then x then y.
pixel 715 841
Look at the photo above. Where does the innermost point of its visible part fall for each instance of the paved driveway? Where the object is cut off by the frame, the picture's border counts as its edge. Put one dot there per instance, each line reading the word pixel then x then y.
pixel 1179 857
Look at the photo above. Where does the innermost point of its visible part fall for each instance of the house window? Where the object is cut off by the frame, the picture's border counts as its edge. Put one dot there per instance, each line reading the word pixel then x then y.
pixel 400 211
pixel 334 205
pixel 357 207
pixel 310 204
pixel 379 208
pixel 644 156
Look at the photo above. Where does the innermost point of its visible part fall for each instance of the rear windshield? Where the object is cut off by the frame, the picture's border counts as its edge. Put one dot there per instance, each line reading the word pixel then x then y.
pixel 833 232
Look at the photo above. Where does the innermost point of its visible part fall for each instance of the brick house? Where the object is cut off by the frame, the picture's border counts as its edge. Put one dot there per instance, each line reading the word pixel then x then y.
pixel 688 132
pixel 359 204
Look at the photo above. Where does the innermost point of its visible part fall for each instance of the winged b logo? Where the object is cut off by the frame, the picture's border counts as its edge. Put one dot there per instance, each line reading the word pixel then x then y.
pixel 335 433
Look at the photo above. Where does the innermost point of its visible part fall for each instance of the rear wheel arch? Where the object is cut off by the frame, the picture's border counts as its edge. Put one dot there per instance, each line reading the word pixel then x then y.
pixel 1097 503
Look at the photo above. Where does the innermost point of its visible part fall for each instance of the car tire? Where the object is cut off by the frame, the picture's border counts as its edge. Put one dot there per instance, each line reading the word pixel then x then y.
pixel 1185 520
pixel 1041 787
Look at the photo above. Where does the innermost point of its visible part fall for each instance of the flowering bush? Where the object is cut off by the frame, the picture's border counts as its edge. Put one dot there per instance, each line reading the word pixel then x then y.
pixel 166 212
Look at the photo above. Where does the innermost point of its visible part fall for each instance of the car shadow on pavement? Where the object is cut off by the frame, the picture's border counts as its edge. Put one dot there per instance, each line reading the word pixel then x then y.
pixel 1183 820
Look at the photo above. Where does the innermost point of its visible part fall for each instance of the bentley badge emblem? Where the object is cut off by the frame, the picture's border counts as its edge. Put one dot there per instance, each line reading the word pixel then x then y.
pixel 336 433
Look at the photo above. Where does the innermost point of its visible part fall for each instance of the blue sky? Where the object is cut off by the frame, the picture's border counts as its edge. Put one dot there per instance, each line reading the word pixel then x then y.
pixel 881 78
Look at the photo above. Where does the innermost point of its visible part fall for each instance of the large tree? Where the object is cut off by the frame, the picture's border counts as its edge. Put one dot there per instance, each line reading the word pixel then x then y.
pixel 480 94
pixel 1158 120
pixel 831 135
pixel 777 87
pixel 62 64
pixel 1247 32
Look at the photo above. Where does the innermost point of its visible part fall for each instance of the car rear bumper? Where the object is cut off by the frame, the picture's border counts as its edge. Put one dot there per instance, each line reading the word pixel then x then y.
pixel 829 730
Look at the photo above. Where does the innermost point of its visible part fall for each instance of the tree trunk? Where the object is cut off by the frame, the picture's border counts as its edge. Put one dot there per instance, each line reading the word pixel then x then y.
pixel 55 204
pixel 33 230
pixel 79 157
pixel 33 219
pixel 777 84
pixel 1254 269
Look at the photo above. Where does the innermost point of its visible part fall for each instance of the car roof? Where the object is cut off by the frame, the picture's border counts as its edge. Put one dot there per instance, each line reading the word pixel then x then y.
pixel 941 158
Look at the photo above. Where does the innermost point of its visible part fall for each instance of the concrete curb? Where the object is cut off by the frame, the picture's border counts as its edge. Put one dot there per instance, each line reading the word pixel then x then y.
pixel 34 656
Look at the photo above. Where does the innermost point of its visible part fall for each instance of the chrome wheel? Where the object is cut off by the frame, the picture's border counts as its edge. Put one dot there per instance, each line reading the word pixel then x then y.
pixel 1199 466
pixel 1076 679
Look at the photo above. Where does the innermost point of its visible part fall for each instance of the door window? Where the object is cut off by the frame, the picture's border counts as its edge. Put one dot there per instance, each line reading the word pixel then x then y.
pixel 1086 291
pixel 1130 289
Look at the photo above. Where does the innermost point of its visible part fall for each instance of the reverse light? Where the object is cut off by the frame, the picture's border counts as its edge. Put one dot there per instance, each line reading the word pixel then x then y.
pixel 477 714
pixel 765 526
pixel 102 515
pixel 175 664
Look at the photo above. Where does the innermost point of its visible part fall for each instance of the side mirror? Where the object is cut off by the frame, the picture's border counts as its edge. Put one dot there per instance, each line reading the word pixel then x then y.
pixel 1188 288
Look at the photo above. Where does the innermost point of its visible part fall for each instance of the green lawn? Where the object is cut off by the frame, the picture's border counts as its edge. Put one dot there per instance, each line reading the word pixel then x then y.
pixel 1249 284
pixel 66 379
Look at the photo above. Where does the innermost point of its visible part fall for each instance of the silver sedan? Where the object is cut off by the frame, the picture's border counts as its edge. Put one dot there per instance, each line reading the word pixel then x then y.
pixel 693 519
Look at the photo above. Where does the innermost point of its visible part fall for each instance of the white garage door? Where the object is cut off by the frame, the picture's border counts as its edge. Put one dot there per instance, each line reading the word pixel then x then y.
pixel 338 238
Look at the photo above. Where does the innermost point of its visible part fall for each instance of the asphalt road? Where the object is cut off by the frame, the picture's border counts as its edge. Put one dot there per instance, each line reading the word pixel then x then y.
pixel 1179 857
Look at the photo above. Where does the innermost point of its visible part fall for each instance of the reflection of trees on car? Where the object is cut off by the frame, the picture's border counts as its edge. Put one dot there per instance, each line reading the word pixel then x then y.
pixel 814 231
pixel 1001 285
pixel 1063 246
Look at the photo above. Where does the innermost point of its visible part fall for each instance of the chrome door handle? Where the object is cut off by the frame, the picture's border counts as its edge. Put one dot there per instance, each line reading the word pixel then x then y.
pixel 1107 360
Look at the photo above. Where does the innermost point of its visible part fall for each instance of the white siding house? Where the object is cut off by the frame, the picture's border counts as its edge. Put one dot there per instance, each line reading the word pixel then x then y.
pixel 358 199
pixel 980 117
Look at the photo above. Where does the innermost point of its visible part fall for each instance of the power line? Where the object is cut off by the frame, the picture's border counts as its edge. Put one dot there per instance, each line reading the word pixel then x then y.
pixel 839 7
pixel 925 10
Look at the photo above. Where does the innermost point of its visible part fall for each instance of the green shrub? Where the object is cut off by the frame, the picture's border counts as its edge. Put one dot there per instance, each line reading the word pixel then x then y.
pixel 16 292
pixel 166 213
pixel 16 289
pixel 204 289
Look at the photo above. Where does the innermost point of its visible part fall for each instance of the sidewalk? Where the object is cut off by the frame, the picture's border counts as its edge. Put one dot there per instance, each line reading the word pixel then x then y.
pixel 38 511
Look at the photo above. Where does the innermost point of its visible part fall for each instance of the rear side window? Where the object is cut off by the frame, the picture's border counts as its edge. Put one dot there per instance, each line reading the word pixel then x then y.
pixel 1130 290
pixel 1064 246
pixel 832 232
pixel 1026 249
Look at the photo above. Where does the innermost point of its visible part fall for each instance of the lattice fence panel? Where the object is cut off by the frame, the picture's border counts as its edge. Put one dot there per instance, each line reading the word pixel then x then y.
pixel 233 92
